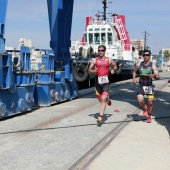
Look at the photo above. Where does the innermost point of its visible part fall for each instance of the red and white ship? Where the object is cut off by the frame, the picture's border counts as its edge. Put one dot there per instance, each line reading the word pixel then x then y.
pixel 110 32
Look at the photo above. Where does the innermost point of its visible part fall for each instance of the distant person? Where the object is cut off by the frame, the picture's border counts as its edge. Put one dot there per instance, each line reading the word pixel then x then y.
pixel 146 71
pixel 101 67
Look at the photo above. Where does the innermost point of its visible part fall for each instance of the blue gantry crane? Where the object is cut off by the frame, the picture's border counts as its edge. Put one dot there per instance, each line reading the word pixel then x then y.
pixel 21 88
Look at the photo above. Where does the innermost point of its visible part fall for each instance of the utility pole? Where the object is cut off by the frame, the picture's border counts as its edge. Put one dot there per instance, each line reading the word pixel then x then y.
pixel 145 41
pixel 146 34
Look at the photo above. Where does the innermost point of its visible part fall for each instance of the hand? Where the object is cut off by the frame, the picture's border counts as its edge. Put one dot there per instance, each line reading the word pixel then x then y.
pixel 151 75
pixel 95 70
pixel 134 81
pixel 112 71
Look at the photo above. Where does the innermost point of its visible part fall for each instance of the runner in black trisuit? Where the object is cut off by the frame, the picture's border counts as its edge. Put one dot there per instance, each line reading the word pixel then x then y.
pixel 146 71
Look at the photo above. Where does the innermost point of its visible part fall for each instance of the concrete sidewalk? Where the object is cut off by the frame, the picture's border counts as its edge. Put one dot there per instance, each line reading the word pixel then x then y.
pixel 141 145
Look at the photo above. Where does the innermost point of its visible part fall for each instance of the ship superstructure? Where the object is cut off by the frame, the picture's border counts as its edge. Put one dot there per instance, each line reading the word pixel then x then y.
pixel 111 32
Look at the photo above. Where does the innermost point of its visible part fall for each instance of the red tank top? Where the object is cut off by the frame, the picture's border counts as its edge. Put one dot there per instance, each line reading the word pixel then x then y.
pixel 102 66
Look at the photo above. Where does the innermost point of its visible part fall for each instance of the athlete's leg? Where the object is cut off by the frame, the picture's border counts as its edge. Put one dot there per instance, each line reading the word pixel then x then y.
pixel 140 97
pixel 150 104
pixel 99 97
pixel 150 108
pixel 98 91
pixel 142 103
pixel 103 100
pixel 106 91
pixel 103 104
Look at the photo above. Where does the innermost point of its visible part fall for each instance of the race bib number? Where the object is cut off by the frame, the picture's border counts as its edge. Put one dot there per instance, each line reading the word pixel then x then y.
pixel 148 89
pixel 103 79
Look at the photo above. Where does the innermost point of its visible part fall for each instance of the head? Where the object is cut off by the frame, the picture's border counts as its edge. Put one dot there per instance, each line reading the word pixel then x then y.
pixel 101 50
pixel 146 55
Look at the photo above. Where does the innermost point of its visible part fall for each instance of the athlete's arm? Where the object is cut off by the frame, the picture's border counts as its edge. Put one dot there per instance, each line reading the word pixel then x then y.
pixel 136 67
pixel 156 72
pixel 114 65
pixel 92 68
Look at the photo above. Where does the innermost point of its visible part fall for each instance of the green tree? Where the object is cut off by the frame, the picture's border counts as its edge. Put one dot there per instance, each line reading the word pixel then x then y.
pixel 156 58
pixel 166 54
pixel 160 52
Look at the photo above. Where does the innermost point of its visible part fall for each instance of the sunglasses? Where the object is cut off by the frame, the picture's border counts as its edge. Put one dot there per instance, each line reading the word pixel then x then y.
pixel 101 50
pixel 146 55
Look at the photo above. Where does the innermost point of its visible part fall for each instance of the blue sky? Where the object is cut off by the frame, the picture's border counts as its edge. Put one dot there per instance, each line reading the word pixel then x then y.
pixel 29 19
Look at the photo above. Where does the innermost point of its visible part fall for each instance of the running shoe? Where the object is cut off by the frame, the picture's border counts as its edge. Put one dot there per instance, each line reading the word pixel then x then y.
pixel 100 120
pixel 149 120
pixel 145 112
pixel 109 103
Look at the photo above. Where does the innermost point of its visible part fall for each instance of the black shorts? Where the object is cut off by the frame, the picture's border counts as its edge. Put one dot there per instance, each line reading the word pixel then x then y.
pixel 141 91
pixel 101 89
